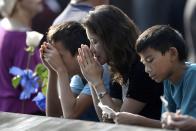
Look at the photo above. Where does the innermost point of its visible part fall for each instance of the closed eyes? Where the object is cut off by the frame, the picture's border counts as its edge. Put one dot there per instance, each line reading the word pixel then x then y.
pixel 149 60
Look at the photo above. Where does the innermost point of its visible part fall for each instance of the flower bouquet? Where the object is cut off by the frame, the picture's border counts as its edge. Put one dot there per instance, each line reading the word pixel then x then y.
pixel 32 82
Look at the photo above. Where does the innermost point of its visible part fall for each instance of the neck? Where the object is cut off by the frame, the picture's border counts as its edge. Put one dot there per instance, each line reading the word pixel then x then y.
pixel 22 18
pixel 177 73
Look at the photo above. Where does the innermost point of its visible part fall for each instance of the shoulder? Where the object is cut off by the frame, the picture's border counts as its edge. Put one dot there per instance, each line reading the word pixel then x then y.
pixel 13 39
pixel 191 71
pixel 191 67
pixel 78 86
pixel 76 82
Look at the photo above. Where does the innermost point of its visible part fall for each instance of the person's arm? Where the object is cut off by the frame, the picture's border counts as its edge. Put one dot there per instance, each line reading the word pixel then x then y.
pixel 114 90
pixel 95 102
pixel 133 106
pixel 183 122
pixel 72 106
pixel 53 107
pixel 106 99
pixel 92 71
pixel 128 115
pixel 134 119
pixel 139 95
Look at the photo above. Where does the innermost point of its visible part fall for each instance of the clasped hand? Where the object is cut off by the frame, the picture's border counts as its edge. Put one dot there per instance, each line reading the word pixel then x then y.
pixel 50 57
pixel 89 65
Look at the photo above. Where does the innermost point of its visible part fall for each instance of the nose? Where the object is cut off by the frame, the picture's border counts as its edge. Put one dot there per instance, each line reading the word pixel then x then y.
pixel 147 69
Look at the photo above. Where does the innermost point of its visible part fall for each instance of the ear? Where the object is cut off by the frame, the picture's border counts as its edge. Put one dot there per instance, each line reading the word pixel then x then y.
pixel 173 53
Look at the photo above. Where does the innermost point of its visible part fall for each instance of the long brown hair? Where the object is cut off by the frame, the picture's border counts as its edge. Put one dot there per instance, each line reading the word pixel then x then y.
pixel 118 35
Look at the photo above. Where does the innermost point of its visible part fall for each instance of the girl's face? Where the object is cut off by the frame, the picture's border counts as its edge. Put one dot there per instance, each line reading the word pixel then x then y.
pixel 96 47
pixel 32 7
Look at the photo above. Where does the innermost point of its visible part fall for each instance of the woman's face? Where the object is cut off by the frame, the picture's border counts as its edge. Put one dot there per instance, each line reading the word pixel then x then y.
pixel 96 47
pixel 32 7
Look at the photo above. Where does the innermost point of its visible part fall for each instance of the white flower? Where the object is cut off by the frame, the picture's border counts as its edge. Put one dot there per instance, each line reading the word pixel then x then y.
pixel 33 38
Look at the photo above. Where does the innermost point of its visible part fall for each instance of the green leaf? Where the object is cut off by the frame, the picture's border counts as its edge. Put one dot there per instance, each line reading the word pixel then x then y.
pixel 44 89
pixel 16 81
pixel 30 49
pixel 41 71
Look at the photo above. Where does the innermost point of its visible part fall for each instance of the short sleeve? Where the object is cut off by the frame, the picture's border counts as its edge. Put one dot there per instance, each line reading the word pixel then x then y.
pixel 106 80
pixel 188 105
pixel 86 90
pixel 76 84
pixel 168 97
pixel 141 86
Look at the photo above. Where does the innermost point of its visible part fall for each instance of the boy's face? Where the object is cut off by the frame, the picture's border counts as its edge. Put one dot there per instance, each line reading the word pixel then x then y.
pixel 157 65
pixel 70 61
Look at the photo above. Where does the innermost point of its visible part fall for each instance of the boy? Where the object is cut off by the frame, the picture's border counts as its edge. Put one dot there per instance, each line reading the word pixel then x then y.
pixel 70 98
pixel 163 52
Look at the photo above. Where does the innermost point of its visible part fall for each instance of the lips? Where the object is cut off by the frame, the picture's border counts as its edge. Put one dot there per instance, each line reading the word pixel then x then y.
pixel 152 76
pixel 97 57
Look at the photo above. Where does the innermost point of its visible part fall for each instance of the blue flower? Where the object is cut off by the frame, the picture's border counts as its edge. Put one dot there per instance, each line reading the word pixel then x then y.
pixel 28 81
pixel 40 101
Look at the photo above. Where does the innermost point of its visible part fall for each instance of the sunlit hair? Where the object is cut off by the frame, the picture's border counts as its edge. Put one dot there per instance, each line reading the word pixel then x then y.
pixel 118 35
pixel 161 38
pixel 71 34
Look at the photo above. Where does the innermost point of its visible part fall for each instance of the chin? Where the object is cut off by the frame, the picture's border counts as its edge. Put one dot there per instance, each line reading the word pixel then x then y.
pixel 102 62
pixel 158 81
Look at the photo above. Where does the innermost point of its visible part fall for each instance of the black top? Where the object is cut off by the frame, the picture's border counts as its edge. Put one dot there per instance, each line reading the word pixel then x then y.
pixel 143 89
pixel 115 90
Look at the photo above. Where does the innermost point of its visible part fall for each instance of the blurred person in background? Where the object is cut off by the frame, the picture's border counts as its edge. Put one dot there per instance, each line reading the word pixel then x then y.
pixel 147 13
pixel 17 19
pixel 51 9
pixel 78 9
pixel 190 28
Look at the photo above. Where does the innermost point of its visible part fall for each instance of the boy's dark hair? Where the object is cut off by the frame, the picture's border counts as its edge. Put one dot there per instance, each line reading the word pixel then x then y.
pixel 161 38
pixel 118 35
pixel 71 34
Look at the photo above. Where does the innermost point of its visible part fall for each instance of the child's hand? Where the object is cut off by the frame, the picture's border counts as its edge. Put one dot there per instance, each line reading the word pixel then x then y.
pixel 183 123
pixel 45 63
pixel 166 120
pixel 53 58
